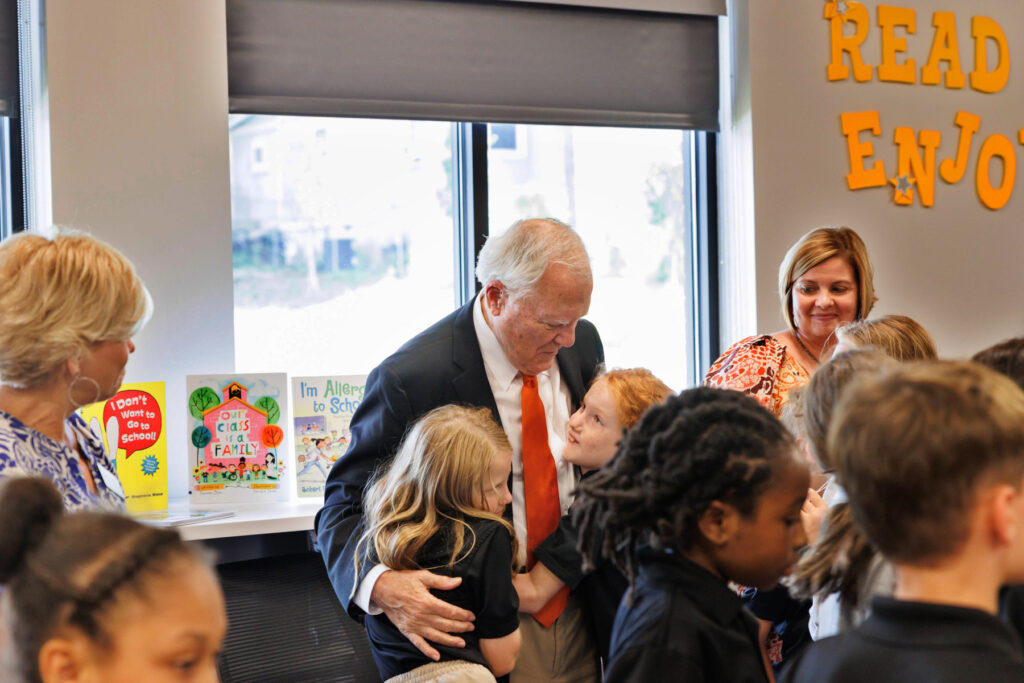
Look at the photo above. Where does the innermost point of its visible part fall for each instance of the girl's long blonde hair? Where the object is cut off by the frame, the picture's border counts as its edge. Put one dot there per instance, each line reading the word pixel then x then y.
pixel 430 485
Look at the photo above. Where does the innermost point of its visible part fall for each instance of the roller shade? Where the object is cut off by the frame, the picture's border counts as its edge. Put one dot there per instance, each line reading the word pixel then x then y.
pixel 716 7
pixel 473 61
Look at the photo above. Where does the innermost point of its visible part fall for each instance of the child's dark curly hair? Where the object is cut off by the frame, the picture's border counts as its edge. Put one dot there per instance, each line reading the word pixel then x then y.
pixel 700 446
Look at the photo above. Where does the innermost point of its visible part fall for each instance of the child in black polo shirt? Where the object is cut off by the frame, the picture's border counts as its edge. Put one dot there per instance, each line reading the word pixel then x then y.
pixel 614 403
pixel 438 507
pixel 706 489
pixel 932 458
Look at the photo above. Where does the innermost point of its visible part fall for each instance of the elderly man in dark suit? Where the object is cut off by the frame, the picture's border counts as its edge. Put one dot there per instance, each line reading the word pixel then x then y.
pixel 522 330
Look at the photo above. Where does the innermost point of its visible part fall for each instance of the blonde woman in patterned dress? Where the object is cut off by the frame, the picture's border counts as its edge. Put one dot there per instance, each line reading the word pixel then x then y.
pixel 69 307
pixel 825 280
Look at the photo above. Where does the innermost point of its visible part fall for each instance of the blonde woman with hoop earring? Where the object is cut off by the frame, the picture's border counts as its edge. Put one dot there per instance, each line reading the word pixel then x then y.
pixel 69 307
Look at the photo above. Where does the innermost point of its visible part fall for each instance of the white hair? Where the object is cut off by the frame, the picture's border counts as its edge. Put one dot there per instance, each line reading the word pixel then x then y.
pixel 518 257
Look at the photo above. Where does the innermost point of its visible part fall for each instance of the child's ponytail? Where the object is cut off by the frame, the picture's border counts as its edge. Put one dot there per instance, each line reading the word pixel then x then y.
pixel 29 507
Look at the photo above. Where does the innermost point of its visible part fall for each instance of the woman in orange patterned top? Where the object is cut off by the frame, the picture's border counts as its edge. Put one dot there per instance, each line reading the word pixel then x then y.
pixel 825 280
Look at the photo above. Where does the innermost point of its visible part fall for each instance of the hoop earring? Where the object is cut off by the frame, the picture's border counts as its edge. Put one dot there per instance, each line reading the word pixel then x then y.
pixel 72 385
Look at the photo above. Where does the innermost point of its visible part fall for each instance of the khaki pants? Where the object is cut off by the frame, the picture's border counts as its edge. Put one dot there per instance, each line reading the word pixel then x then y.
pixel 446 672
pixel 564 653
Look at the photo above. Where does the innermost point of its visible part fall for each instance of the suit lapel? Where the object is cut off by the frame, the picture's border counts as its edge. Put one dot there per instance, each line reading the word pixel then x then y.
pixel 569 367
pixel 470 382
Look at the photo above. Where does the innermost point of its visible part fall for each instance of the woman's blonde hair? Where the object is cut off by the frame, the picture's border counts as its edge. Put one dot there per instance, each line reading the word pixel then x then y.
pixel 58 297
pixel 635 390
pixel 818 246
pixel 430 485
pixel 896 336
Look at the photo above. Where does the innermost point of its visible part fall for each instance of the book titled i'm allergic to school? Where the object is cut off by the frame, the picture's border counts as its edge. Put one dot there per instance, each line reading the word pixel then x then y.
pixel 237 436
pixel 322 409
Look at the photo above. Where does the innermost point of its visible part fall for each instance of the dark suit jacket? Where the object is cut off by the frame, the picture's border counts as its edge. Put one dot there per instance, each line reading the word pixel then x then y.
pixel 439 366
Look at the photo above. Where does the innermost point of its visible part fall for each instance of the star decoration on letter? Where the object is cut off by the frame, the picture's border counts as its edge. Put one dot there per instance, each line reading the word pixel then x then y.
pixel 834 8
pixel 839 8
pixel 903 189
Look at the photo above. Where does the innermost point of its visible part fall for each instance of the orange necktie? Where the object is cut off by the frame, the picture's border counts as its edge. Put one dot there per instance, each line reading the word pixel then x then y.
pixel 540 481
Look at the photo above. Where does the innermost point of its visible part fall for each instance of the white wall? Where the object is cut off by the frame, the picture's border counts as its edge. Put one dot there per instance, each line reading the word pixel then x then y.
pixel 955 267
pixel 138 122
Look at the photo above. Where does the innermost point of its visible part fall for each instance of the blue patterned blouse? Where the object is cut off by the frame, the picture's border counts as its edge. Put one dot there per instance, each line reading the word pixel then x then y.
pixel 24 451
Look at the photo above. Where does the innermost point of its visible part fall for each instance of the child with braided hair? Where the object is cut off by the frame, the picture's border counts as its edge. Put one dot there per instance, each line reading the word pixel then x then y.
pixel 705 489
pixel 98 597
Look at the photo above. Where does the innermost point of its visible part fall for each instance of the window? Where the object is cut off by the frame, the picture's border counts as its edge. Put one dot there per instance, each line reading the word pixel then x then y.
pixel 626 193
pixel 345 232
pixel 341 237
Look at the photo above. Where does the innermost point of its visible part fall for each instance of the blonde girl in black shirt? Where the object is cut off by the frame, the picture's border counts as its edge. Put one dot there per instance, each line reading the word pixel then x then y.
pixel 706 489
pixel 438 506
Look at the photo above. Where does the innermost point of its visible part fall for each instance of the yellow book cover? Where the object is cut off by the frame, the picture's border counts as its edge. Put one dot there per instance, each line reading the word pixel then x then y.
pixel 132 426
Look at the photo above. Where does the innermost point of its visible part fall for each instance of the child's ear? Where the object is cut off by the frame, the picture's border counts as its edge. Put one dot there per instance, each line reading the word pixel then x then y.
pixel 62 660
pixel 718 522
pixel 1005 514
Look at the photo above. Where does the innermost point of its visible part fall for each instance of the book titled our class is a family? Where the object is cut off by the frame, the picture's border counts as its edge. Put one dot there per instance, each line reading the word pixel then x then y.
pixel 237 429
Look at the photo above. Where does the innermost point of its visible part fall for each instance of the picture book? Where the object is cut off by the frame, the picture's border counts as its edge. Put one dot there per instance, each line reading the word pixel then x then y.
pixel 132 426
pixel 236 429
pixel 322 408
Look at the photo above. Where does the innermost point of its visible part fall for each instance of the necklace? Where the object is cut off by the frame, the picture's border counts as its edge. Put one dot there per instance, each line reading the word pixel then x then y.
pixel 804 347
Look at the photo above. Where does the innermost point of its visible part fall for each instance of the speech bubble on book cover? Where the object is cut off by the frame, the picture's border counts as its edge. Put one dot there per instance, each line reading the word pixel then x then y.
pixel 138 418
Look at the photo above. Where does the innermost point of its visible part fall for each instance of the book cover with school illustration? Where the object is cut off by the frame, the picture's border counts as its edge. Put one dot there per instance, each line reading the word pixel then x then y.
pixel 322 408
pixel 132 425
pixel 237 436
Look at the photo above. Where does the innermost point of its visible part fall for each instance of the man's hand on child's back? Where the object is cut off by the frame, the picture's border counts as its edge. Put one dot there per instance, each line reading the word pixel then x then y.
pixel 406 600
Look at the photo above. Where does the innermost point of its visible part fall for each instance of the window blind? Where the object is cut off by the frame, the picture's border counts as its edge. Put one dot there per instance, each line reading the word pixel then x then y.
pixel 469 60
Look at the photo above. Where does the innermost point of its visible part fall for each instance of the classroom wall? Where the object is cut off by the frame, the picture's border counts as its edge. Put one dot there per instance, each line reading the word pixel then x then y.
pixel 138 122
pixel 955 267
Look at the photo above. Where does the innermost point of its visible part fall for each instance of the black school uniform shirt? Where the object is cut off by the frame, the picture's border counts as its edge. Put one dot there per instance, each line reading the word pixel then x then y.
pixel 684 624
pixel 789 618
pixel 914 641
pixel 486 590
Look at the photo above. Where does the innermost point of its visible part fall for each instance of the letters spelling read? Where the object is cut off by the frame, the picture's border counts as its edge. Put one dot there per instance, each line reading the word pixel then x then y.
pixel 894 68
